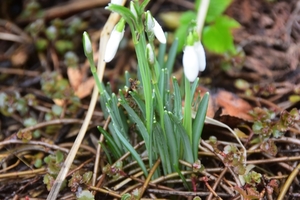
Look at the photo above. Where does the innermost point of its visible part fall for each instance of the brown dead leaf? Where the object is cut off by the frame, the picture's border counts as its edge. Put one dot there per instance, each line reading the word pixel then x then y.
pixel 232 105
pixel 75 77
pixel 85 88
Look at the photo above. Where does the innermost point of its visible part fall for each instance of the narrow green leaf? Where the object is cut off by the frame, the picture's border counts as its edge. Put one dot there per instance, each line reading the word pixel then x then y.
pixel 161 144
pixel 107 152
pixel 139 102
pixel 182 178
pixel 133 152
pixel 177 100
pixel 171 139
pixel 114 148
pixel 198 124
pixel 172 56
pixel 135 118
pixel 187 115
pixel 185 143
pixel 161 54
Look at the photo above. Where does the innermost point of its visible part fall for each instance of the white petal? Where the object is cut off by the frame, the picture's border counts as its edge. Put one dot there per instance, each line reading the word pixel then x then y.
pixel 112 45
pixel 201 56
pixel 190 63
pixel 158 32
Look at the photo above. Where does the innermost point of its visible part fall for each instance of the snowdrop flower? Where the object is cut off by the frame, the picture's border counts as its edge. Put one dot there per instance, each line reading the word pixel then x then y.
pixel 193 59
pixel 87 45
pixel 153 25
pixel 114 41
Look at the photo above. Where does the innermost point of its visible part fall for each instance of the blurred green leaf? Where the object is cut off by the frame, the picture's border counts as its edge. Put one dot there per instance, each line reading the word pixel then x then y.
pixel 218 38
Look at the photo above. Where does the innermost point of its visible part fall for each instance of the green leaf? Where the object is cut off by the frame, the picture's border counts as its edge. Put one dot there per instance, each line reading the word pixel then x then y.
pixel 161 54
pixel 135 118
pixel 184 139
pixel 162 146
pixel 218 38
pixel 215 9
pixel 182 178
pixel 139 102
pixel 133 152
pixel 198 124
pixel 114 148
pixel 172 56
pixel 177 100
pixel 171 139
pixel 187 17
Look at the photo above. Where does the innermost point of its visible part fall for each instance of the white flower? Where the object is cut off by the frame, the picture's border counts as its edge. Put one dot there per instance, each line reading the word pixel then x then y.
pixel 201 55
pixel 153 25
pixel 159 33
pixel 190 63
pixel 118 2
pixel 113 44
pixel 87 43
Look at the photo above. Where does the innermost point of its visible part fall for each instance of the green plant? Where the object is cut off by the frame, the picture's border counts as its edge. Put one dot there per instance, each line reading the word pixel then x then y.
pixel 216 35
pixel 150 104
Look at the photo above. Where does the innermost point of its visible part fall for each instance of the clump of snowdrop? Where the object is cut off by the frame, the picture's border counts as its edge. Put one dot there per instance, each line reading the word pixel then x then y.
pixel 193 57
pixel 114 41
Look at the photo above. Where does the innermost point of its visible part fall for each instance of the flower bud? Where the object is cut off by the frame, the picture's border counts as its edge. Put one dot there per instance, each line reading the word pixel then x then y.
pixel 114 41
pixel 150 54
pixel 87 45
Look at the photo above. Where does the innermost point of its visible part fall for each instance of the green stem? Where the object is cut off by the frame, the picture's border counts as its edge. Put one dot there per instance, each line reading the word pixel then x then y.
pixel 94 72
pixel 187 117
pixel 140 47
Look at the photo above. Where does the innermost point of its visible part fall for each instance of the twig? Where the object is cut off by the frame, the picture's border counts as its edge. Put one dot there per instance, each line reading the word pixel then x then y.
pixel 98 154
pixel 217 182
pixel 52 146
pixel 144 187
pixel 288 182
pixel 184 193
pixel 24 173
pixel 106 192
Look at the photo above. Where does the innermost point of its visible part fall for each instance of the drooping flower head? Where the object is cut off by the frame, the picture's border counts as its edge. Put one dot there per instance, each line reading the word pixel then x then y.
pixel 193 59
pixel 114 41
pixel 153 25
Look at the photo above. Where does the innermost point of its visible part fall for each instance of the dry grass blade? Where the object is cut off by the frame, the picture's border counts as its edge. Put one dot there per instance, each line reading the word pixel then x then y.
pixel 112 20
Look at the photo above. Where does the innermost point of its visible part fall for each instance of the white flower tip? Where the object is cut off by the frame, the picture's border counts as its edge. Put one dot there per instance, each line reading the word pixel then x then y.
pixel 87 43
pixel 159 33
